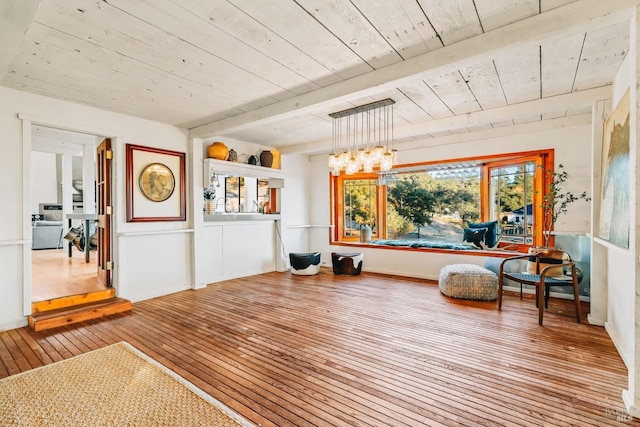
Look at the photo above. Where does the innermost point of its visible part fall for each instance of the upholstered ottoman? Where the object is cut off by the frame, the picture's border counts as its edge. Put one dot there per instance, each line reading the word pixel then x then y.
pixel 305 264
pixel 349 264
pixel 468 281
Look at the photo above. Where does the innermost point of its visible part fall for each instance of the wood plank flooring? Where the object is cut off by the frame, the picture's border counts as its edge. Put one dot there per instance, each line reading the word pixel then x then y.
pixel 371 350
pixel 54 274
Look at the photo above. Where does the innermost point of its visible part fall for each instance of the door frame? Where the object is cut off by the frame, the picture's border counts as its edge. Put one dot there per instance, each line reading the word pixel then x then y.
pixel 27 122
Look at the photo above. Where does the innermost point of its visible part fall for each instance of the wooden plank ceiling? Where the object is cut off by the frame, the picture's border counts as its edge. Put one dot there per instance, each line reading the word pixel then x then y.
pixel 207 66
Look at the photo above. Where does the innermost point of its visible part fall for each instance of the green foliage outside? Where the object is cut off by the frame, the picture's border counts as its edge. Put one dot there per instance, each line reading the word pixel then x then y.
pixel 360 202
pixel 397 226
pixel 512 186
pixel 418 198
pixel 454 195
pixel 412 201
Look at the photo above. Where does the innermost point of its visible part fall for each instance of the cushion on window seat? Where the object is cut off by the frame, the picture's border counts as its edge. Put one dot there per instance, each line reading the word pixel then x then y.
pixel 431 244
pixel 491 235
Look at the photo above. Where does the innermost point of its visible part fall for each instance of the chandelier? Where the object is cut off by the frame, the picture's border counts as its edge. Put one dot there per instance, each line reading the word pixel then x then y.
pixel 362 139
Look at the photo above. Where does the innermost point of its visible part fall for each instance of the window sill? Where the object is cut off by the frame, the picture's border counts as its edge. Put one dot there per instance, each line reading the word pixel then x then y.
pixel 471 252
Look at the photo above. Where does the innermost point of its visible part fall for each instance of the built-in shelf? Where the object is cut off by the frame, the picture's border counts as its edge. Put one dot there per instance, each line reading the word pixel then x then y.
pixel 311 226
pixel 238 169
pixel 241 216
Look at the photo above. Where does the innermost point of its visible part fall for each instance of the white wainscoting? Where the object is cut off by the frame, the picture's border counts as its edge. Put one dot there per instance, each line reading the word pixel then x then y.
pixel 238 249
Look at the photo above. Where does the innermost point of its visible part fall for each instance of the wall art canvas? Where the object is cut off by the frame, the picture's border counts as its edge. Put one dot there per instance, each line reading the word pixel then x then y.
pixel 614 206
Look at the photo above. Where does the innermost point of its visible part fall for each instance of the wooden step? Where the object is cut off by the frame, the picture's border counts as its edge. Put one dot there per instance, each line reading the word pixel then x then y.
pixel 79 313
pixel 73 300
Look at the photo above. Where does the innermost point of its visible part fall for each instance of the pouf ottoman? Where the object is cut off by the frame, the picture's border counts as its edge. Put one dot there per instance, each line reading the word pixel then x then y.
pixel 305 264
pixel 468 281
pixel 349 264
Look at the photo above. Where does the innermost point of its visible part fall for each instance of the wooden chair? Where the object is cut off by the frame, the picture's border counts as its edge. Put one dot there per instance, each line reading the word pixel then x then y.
pixel 548 273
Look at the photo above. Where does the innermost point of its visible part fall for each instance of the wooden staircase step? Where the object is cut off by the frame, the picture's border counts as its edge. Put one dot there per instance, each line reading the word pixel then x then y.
pixel 68 301
pixel 79 313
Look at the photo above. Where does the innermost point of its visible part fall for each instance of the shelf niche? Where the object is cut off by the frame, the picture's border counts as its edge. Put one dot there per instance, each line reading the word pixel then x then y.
pixel 224 167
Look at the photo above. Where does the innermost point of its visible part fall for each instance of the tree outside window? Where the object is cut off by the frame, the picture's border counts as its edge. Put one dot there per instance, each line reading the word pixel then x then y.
pixel 360 206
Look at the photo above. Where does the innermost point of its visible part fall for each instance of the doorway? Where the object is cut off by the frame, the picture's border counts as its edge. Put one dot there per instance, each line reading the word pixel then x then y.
pixel 65 191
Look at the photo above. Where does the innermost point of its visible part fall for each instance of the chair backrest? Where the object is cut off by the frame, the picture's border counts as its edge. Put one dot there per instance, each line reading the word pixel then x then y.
pixel 540 258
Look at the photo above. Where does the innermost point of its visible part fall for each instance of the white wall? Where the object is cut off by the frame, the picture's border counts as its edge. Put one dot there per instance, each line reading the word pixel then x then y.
pixel 151 258
pixel 44 184
pixel 572 149
pixel 296 218
pixel 620 262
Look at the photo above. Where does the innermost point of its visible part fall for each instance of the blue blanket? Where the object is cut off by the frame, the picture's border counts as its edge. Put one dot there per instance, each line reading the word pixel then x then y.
pixel 425 243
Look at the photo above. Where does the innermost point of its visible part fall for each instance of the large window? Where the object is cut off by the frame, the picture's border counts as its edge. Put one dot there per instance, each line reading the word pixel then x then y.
pixel 435 205
pixel 360 208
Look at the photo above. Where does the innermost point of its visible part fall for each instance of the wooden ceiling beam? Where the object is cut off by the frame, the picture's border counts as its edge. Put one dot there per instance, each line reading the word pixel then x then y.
pixel 577 16
pixel 476 118
pixel 15 18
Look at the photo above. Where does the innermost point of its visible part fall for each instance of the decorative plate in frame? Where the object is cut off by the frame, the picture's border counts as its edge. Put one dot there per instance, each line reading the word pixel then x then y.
pixel 157 182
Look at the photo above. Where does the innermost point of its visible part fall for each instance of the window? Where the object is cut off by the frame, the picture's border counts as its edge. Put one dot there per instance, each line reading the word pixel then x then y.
pixel 234 194
pixel 431 205
pixel 359 200
pixel 360 206
pixel 263 195
pixel 511 189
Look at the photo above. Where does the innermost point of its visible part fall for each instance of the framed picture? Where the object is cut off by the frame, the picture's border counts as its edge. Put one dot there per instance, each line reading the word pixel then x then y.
pixel 614 205
pixel 156 186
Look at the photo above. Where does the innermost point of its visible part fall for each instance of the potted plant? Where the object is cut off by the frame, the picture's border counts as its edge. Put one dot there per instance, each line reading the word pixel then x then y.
pixel 556 201
pixel 209 195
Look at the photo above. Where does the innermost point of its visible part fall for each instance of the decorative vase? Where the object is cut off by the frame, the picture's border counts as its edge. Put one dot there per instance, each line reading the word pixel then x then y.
pixel 233 156
pixel 218 151
pixel 266 158
pixel 253 160
pixel 276 159
pixel 365 233
pixel 210 206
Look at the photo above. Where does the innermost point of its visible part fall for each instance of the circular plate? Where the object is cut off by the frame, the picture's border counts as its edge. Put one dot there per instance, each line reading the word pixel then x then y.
pixel 157 182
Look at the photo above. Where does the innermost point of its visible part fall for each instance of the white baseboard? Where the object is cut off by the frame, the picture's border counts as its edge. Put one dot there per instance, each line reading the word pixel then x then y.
pixel 14 325
pixel 595 320
pixel 630 406
pixel 507 288
pixel 616 343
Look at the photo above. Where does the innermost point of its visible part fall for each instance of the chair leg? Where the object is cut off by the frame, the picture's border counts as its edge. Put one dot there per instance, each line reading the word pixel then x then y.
pixel 576 294
pixel 547 291
pixel 540 300
pixel 520 291
pixel 500 279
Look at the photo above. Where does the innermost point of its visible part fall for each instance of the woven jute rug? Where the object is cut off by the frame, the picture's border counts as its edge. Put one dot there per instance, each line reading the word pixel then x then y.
pixel 115 386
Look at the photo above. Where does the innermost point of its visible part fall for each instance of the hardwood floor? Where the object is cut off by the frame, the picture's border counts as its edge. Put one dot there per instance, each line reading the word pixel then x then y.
pixel 370 350
pixel 54 274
